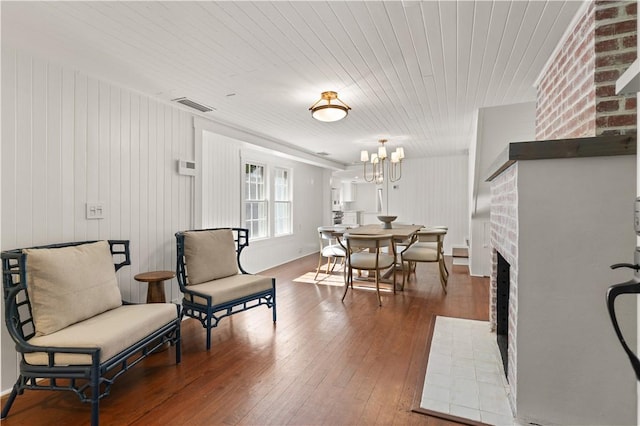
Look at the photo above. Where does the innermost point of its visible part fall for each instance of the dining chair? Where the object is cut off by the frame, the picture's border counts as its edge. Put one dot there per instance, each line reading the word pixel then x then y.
pixel 375 253
pixel 402 245
pixel 330 247
pixel 434 244
pixel 426 247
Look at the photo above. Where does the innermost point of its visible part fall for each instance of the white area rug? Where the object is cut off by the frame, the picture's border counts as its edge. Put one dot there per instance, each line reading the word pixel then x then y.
pixel 464 377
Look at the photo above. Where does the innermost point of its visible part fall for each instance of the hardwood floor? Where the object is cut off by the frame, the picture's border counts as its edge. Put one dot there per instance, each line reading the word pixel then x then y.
pixel 324 362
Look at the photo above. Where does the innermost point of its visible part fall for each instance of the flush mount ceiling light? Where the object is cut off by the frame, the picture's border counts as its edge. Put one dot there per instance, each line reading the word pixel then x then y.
pixel 324 110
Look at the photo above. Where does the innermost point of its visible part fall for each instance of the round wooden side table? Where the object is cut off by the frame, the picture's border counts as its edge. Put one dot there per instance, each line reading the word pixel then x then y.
pixel 155 291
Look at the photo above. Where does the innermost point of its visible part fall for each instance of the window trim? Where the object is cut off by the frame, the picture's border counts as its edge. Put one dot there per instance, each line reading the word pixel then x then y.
pixel 264 200
pixel 270 173
pixel 288 201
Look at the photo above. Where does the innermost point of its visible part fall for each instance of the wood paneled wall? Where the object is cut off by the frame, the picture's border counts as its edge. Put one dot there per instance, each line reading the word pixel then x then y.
pixel 221 177
pixel 69 139
pixel 434 191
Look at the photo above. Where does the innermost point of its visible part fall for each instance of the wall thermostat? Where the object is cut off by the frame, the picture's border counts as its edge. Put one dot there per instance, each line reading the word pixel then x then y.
pixel 186 167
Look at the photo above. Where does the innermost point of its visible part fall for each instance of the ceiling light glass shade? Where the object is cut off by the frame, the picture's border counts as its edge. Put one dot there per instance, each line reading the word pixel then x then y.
pixel 364 156
pixel 382 152
pixel 324 110
pixel 328 113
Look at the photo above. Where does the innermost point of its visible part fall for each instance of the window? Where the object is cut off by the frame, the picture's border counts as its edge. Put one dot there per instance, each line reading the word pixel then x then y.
pixel 255 200
pixel 267 199
pixel 282 202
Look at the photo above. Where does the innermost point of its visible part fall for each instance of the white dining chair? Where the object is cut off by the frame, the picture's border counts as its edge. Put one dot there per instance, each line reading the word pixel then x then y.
pixel 375 253
pixel 330 247
pixel 426 247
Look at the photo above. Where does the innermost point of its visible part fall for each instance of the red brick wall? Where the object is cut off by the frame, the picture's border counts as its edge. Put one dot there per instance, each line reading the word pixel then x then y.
pixel 576 94
pixel 615 47
pixel 566 100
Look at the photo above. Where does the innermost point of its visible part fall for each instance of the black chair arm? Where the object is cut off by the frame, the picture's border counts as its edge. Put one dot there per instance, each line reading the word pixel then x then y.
pixel 124 251
pixel 241 242
pixel 14 327
pixel 12 316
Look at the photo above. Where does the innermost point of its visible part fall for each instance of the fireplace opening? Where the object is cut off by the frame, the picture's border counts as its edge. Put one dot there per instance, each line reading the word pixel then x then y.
pixel 502 310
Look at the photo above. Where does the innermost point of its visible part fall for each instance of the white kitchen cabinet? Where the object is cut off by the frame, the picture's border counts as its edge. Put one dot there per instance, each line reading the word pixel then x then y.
pixel 352 218
pixel 335 199
pixel 348 192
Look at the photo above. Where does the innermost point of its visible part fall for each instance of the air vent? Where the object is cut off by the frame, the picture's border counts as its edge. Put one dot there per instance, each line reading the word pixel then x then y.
pixel 324 154
pixel 192 104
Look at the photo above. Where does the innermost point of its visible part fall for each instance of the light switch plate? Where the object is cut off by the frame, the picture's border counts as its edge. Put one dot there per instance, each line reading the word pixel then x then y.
pixel 96 210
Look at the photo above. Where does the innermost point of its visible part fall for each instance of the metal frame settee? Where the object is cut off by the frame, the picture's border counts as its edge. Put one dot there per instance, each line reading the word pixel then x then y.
pixel 212 279
pixel 87 355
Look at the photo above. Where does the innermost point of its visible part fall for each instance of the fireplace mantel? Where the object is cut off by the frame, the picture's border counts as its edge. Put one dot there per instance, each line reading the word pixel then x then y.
pixel 597 146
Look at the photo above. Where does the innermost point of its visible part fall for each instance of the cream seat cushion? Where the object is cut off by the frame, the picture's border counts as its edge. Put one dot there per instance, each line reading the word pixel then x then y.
pixel 364 260
pixel 209 255
pixel 111 331
pixel 231 288
pixel 70 284
pixel 424 252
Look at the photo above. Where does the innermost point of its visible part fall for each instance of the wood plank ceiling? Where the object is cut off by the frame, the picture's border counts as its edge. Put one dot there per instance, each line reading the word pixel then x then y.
pixel 413 72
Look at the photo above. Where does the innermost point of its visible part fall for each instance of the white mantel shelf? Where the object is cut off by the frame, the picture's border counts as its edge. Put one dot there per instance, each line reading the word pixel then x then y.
pixel 597 146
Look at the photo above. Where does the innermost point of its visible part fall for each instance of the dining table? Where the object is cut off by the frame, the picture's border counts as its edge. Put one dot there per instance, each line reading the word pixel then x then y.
pixel 402 234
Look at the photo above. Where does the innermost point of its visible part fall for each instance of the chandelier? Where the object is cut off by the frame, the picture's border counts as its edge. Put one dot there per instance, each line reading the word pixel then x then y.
pixel 324 110
pixel 380 162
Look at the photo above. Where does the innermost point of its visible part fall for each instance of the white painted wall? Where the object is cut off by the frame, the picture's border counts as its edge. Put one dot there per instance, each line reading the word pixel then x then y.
pixel 308 207
pixel 432 191
pixel 69 139
pixel 575 219
pixel 221 181
pixel 222 153
pixel 496 128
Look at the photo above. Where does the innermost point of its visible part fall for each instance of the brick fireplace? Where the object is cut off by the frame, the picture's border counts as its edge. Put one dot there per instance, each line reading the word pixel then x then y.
pixel 504 240
pixel 548 225
pixel 559 222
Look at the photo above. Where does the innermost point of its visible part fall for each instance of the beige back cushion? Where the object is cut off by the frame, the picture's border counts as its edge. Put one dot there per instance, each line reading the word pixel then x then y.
pixel 209 255
pixel 70 284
